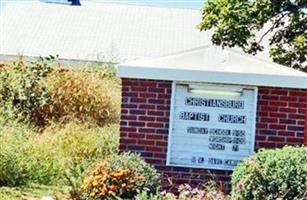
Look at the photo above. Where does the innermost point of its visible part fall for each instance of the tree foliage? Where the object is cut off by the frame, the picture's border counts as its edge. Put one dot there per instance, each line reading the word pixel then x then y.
pixel 284 22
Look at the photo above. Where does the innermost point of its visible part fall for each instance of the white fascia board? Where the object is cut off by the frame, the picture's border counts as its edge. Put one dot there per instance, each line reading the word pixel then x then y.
pixel 139 72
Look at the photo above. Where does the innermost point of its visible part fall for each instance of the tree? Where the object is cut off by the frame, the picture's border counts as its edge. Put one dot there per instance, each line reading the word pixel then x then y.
pixel 284 22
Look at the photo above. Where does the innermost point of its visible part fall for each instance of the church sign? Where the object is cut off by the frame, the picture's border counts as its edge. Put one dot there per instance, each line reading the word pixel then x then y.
pixel 211 126
pixel 197 114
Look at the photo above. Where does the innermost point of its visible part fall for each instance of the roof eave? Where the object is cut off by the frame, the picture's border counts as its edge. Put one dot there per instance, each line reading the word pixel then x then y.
pixel 267 80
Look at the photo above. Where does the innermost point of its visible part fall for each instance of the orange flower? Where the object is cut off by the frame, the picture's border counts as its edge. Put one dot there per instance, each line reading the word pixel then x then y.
pixel 103 191
pixel 112 188
pixel 141 178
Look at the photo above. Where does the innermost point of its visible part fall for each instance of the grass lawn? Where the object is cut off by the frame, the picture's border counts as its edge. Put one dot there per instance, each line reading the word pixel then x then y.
pixel 34 192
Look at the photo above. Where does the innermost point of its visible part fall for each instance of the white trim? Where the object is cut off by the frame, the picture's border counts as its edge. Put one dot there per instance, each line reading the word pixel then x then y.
pixel 255 120
pixel 142 72
pixel 170 128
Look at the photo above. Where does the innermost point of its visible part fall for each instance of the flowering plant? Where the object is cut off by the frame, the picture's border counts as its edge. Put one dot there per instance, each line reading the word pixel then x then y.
pixel 210 191
pixel 117 177
pixel 205 192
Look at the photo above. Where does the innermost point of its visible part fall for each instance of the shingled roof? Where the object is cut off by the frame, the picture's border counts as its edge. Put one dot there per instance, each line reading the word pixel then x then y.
pixel 98 31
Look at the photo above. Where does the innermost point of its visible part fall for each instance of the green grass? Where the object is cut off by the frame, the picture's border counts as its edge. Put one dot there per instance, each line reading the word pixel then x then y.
pixel 56 156
pixel 33 192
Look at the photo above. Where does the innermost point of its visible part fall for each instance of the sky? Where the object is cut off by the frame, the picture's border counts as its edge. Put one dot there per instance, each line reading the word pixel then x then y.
pixel 195 4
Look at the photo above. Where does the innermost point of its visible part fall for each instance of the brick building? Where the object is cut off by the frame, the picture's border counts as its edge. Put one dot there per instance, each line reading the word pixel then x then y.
pixel 243 104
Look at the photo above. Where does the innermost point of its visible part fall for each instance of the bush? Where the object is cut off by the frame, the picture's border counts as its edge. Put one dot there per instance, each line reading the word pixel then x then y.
pixel 23 88
pixel 122 176
pixel 55 122
pixel 40 92
pixel 77 141
pixel 272 174
pixel 58 155
pixel 77 145
pixel 84 94
pixel 22 162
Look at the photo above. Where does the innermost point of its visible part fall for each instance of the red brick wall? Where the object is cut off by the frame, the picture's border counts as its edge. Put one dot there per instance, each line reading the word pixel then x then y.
pixel 281 119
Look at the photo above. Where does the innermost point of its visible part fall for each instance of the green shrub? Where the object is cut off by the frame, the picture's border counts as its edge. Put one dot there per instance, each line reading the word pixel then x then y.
pixel 272 174
pixel 11 173
pixel 77 145
pixel 77 141
pixel 23 88
pixel 123 176
pixel 22 162
pixel 58 155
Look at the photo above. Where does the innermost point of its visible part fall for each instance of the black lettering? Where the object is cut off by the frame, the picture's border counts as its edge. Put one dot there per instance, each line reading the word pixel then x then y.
pixel 215 161
pixel 219 139
pixel 231 162
pixel 216 103
pixel 194 116
pixel 235 148
pixel 201 160
pixel 227 140
pixel 238 133
pixel 238 140
pixel 197 130
pixel 233 119
pixel 215 146
pixel 217 131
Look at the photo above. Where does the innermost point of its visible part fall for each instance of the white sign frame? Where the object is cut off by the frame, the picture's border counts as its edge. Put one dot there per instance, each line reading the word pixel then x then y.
pixel 170 132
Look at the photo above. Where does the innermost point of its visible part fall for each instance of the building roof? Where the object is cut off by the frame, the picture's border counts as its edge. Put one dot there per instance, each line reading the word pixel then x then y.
pixel 214 65
pixel 98 31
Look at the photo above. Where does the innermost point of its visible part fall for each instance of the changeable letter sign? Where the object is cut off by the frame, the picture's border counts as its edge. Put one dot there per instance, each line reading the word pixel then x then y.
pixel 211 127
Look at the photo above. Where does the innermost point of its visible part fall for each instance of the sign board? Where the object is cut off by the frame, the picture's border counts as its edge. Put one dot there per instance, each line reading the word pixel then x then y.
pixel 211 126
